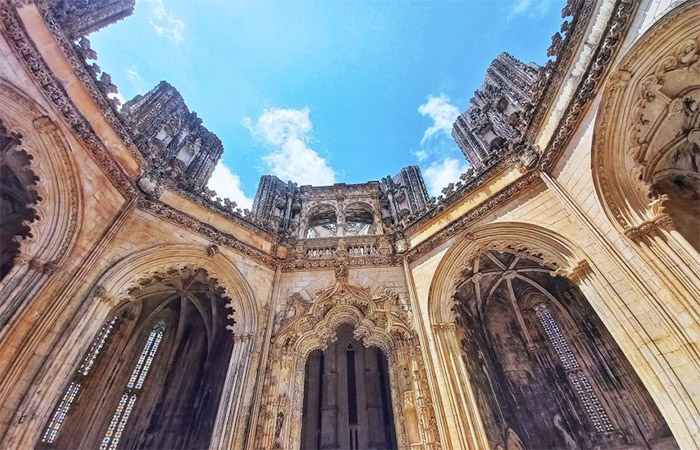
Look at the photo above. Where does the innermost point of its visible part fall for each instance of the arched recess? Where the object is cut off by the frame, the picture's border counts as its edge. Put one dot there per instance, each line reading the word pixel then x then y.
pixel 58 208
pixel 558 256
pixel 114 289
pixel 378 321
pixel 646 149
pixel 322 221
pixel 359 219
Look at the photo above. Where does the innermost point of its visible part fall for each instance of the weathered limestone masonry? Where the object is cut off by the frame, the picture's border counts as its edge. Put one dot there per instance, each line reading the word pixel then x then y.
pixel 550 299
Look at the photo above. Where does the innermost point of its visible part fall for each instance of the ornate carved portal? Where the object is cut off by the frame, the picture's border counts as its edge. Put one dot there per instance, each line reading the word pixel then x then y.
pixel 379 321
pixel 544 369
pixel 153 375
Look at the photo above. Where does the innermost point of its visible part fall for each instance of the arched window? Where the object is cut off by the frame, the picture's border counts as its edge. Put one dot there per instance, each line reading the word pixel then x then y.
pixel 133 387
pixel 74 387
pixel 323 222
pixel 542 365
pixel 579 379
pixel 159 380
pixel 359 219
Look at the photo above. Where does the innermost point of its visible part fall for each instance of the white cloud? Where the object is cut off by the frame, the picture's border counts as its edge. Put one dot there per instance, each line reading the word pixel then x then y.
pixel 288 134
pixel 443 113
pixel 134 77
pixel 165 23
pixel 421 155
pixel 228 185
pixel 532 8
pixel 439 175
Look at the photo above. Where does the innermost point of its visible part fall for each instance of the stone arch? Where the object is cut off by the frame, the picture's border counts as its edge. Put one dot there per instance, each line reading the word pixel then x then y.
pixel 562 257
pixel 126 275
pixel 320 217
pixel 648 122
pixel 378 321
pixel 110 293
pixel 359 218
pixel 535 242
pixel 59 211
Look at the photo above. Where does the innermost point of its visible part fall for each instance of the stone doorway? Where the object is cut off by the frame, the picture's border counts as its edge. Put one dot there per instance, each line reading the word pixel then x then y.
pixel 347 397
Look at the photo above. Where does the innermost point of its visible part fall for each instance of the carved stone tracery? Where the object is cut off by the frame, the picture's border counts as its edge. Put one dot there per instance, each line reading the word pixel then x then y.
pixel 380 321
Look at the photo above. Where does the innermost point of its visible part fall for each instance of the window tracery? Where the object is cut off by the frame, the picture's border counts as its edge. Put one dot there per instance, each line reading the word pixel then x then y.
pixel 514 320
pixel 133 387
pixel 579 379
pixel 73 389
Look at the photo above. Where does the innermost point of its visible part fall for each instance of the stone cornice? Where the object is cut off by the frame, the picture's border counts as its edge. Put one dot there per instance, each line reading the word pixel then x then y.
pixel 557 69
pixel 326 264
pixel 220 210
pixel 463 191
pixel 213 234
pixel 53 90
pixel 83 72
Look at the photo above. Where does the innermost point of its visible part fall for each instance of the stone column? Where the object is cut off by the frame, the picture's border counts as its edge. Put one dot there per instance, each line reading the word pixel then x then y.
pixel 329 400
pixel 375 403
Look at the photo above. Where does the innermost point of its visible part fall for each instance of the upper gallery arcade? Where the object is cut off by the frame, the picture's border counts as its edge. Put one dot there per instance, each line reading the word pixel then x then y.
pixel 548 299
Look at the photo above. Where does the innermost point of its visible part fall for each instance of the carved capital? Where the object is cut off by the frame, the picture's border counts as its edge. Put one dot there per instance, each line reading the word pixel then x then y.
pixel 577 274
pixel 650 228
pixel 102 296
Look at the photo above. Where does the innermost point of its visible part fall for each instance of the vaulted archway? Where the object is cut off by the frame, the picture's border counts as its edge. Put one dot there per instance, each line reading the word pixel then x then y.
pixel 541 363
pixel 154 374
pixel 601 291
pixel 113 290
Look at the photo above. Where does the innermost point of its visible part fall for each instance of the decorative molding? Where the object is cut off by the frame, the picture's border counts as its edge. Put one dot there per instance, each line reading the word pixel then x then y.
pixel 458 226
pixel 650 228
pixel 577 274
pixel 26 52
pixel 216 236
pixel 588 87
pixel 97 89
pixel 551 78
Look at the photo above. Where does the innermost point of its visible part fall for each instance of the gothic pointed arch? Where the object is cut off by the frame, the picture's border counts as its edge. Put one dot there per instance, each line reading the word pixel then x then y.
pixel 121 289
pixel 50 217
pixel 155 373
pixel 646 145
pixel 497 288
pixel 379 321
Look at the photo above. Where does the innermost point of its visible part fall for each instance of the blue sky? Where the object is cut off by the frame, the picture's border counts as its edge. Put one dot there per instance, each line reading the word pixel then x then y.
pixel 324 91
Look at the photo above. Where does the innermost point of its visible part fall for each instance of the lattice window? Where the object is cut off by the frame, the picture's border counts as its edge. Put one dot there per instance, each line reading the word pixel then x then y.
pixel 579 380
pixel 73 389
pixel 133 387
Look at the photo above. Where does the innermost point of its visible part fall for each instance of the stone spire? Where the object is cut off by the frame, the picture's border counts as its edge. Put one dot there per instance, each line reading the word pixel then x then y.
pixel 405 194
pixel 171 136
pixel 82 17
pixel 496 111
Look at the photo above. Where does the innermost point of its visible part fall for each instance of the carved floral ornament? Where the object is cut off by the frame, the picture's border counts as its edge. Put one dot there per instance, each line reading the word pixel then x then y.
pixel 648 113
pixel 378 320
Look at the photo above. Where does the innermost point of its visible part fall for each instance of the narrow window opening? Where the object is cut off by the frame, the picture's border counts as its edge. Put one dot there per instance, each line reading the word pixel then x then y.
pixel 71 393
pixel 133 387
pixel 578 378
